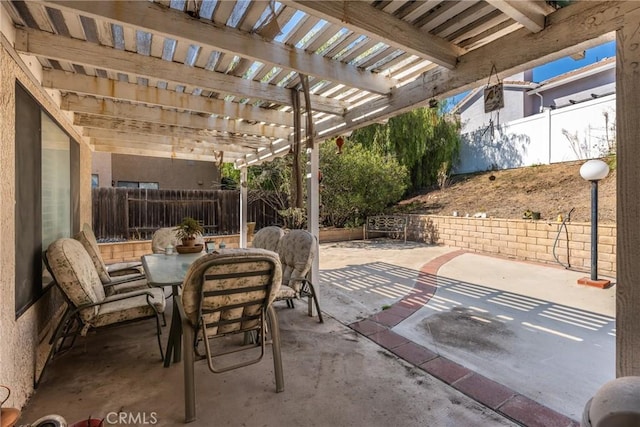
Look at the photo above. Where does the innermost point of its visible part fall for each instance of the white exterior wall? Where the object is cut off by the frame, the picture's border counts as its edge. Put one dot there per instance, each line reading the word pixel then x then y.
pixel 588 135
pixel 539 139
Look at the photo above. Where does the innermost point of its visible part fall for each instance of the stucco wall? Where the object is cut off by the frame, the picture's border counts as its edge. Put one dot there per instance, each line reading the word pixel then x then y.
pixel 24 343
pixel 101 165
pixel 526 240
pixel 576 132
pixel 168 173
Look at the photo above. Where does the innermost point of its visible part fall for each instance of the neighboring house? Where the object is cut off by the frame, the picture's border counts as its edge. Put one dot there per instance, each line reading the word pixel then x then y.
pixel 119 170
pixel 568 117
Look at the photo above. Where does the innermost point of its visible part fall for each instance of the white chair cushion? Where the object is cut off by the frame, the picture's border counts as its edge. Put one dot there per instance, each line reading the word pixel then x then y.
pixel 76 274
pixel 268 238
pixel 297 250
pixel 88 240
pixel 129 309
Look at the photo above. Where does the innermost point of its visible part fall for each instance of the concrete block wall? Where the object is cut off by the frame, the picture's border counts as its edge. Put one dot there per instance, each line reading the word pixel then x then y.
pixel 132 250
pixel 528 240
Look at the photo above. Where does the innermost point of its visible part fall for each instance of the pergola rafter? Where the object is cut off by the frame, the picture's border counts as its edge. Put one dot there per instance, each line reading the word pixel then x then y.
pixel 232 69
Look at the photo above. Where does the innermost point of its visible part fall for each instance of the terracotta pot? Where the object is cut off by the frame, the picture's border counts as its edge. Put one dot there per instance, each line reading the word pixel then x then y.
pixel 189 241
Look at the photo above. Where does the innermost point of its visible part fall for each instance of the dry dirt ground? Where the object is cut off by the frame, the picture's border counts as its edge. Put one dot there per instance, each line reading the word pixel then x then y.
pixel 548 189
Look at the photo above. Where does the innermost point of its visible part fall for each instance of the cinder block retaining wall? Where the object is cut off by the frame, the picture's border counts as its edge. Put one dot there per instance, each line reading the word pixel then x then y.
pixel 528 240
pixel 134 249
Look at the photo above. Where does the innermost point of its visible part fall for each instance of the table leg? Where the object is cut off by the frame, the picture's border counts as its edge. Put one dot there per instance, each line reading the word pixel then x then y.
pixel 175 333
pixel 177 337
pixel 188 378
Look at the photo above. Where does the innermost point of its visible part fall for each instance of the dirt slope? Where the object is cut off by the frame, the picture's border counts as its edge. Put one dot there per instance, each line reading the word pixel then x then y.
pixel 548 189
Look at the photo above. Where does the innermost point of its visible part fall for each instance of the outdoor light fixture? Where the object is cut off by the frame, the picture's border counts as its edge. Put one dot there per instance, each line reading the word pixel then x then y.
pixel 594 171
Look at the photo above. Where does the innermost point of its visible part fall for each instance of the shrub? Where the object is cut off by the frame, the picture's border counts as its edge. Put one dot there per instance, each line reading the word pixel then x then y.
pixel 357 183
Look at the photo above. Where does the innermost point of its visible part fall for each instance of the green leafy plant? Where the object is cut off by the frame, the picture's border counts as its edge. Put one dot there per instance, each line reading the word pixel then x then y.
pixel 294 218
pixel 189 228
pixel 358 183
pixel 425 141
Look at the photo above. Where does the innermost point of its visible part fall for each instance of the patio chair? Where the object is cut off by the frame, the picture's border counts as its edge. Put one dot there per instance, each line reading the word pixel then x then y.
pixel 268 238
pixel 166 236
pixel 87 305
pixel 162 238
pixel 226 294
pixel 297 249
pixel 118 277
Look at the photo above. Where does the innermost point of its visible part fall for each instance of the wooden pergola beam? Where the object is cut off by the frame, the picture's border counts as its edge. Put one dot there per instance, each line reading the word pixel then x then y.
pixel 173 24
pixel 361 17
pixel 628 197
pixel 163 141
pixel 106 107
pixel 145 150
pixel 576 27
pixel 530 13
pixel 60 48
pixel 113 89
pixel 136 126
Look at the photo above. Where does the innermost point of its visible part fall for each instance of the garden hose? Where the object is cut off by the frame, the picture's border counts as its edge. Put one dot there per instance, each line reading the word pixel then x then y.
pixel 566 219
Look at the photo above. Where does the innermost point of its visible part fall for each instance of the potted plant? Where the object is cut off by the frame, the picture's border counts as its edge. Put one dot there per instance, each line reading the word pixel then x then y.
pixel 188 230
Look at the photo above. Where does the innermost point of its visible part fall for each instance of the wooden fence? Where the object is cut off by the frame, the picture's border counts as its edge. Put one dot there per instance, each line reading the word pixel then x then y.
pixel 132 213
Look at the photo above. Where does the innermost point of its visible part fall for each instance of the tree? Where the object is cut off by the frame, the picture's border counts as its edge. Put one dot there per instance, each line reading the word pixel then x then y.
pixel 358 183
pixel 424 140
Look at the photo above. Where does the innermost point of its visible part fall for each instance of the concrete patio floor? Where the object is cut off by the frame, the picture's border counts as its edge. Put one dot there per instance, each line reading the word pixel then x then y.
pixel 364 366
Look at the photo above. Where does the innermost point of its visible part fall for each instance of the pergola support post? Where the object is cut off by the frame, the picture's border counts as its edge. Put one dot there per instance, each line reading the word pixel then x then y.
pixel 243 207
pixel 313 214
pixel 628 197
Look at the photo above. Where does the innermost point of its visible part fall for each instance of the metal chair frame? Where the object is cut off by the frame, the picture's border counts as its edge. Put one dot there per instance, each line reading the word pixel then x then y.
pixel 71 318
pixel 194 334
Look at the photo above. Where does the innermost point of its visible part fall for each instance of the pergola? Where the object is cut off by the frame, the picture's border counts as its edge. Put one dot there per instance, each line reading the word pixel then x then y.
pixel 244 81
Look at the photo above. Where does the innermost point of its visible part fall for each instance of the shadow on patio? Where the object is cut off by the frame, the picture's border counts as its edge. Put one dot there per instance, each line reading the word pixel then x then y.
pixel 333 377
pixel 363 366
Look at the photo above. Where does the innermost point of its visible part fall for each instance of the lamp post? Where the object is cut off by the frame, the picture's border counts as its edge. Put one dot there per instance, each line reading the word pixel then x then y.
pixel 594 171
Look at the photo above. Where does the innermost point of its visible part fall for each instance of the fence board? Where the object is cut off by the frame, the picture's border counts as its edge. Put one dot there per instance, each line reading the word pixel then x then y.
pixel 132 213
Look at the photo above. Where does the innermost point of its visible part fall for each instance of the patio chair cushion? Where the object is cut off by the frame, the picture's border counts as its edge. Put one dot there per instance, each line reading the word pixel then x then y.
pixel 88 240
pixel 194 283
pixel 268 238
pixel 162 238
pixel 129 286
pixel 297 250
pixel 129 309
pixel 76 275
pixel 166 236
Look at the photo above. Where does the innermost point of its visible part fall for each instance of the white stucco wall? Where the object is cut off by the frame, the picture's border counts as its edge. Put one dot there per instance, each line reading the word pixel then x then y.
pixel 582 131
pixel 24 339
pixel 575 132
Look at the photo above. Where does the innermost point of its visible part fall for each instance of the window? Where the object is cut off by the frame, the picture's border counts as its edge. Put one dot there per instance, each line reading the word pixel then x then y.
pixel 135 184
pixel 56 182
pixel 47 196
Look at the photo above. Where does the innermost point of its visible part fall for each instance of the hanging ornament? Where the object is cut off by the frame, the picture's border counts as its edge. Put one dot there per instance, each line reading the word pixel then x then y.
pixel 493 94
pixel 340 143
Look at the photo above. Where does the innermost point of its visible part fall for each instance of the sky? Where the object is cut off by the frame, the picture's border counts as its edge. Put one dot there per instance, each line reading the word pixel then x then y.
pixel 566 64
pixel 561 66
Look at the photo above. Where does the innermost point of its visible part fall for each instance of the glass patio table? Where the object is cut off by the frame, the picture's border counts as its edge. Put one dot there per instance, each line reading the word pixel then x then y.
pixel 169 270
